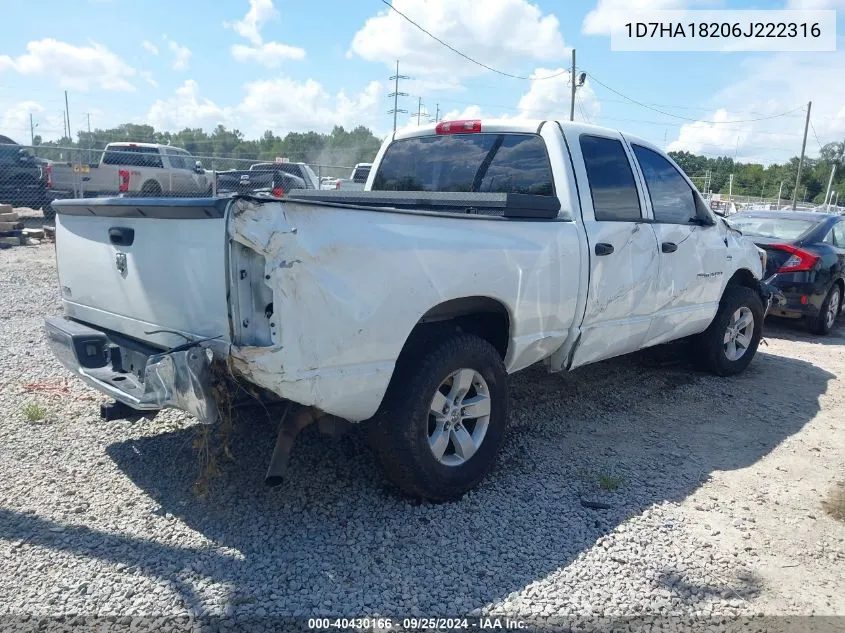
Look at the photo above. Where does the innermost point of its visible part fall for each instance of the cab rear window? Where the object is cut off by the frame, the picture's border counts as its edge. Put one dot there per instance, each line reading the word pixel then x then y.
pixel 484 163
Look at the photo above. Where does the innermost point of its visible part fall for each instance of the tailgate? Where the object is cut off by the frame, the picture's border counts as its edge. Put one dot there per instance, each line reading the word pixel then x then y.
pixel 138 266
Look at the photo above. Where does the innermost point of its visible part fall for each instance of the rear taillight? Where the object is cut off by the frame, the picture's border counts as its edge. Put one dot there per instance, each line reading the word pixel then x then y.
pixel 278 192
pixel 337 184
pixel 48 173
pixel 458 127
pixel 123 175
pixel 799 259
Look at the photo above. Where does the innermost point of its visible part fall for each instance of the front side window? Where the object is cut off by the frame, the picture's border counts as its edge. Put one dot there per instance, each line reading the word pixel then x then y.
pixel 481 163
pixel 672 199
pixel 611 180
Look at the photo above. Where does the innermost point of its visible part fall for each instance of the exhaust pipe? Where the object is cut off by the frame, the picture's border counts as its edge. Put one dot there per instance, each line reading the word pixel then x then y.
pixel 289 428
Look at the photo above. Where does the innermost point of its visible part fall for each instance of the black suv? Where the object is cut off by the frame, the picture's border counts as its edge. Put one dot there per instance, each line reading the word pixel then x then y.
pixel 23 177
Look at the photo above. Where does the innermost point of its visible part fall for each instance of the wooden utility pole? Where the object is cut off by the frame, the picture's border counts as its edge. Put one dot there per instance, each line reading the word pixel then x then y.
pixel 780 191
pixel 801 160
pixel 572 79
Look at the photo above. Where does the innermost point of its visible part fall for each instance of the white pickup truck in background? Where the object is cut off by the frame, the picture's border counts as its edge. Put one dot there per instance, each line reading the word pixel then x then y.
pixel 145 169
pixel 357 179
pixel 477 249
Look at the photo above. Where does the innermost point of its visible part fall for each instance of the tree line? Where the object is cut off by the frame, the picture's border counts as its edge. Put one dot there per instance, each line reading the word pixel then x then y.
pixel 223 148
pixel 753 179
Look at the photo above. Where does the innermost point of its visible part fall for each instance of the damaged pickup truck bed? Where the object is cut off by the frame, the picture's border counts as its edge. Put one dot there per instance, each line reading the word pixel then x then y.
pixel 477 249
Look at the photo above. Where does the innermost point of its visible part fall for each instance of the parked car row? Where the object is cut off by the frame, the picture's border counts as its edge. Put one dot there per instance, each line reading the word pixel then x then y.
pixel 805 261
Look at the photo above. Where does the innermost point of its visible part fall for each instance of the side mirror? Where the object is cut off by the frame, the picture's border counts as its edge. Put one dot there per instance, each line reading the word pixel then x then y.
pixel 198 167
pixel 720 213
pixel 23 155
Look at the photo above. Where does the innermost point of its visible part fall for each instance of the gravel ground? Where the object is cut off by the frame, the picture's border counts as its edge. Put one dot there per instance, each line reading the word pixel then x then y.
pixel 716 508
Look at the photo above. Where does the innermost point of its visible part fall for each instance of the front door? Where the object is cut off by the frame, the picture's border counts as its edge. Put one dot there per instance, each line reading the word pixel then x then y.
pixel 623 249
pixel 693 255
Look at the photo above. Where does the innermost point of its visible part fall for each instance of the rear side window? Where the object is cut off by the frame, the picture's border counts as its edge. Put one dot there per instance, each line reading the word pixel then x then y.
pixel 361 174
pixel 611 180
pixel 839 233
pixel 481 163
pixel 671 197
pixel 133 156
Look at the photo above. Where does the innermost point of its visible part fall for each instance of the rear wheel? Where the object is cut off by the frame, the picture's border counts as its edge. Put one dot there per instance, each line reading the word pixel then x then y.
pixel 826 319
pixel 729 344
pixel 443 418
pixel 151 189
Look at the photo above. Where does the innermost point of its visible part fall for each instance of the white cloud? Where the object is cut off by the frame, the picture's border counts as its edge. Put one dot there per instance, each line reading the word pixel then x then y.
pixel 769 86
pixel 501 33
pixel 15 119
pixel 181 54
pixel 147 76
pixel 186 108
pixel 550 96
pixel 151 48
pixel 260 12
pixel 76 67
pixel 268 54
pixel 607 12
pixel 281 104
pixel 286 104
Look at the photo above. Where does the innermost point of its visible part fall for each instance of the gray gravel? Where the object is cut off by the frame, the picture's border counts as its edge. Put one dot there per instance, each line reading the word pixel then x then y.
pixel 717 509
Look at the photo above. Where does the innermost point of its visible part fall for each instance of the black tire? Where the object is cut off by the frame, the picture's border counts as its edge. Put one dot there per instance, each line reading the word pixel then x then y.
pixel 709 346
pixel 825 320
pixel 399 433
pixel 151 189
pixel 49 213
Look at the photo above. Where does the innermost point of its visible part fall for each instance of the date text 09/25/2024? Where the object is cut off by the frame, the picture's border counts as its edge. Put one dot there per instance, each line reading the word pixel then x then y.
pixel 417 624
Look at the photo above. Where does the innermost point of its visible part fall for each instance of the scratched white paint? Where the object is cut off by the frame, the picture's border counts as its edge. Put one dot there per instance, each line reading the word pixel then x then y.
pixel 322 299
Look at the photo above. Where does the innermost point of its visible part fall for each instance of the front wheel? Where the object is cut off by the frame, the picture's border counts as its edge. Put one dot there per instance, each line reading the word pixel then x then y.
pixel 443 418
pixel 729 344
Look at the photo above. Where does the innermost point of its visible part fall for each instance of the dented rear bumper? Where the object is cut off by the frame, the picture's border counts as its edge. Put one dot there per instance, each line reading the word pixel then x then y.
pixel 139 376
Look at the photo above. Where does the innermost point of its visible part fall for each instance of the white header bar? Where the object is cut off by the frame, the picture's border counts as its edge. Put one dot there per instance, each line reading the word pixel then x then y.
pixel 724 30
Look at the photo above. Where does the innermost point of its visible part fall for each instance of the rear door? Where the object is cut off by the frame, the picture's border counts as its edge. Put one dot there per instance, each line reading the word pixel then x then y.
pixel 692 257
pixel 623 248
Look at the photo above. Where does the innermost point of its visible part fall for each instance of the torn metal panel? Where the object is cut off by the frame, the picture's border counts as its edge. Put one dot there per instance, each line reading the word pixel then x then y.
pixel 182 380
pixel 349 285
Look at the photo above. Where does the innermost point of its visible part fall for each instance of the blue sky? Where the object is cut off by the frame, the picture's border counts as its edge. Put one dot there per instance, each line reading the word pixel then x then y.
pixel 291 65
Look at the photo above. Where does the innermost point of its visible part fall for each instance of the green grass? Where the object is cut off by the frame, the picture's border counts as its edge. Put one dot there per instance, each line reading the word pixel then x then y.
pixel 608 482
pixel 834 505
pixel 34 412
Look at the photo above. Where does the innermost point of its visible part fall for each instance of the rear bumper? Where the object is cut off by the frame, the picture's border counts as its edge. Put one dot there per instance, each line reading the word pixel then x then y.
pixel 180 378
pixel 798 299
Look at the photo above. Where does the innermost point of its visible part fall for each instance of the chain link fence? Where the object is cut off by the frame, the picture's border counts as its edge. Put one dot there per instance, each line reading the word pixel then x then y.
pixel 32 177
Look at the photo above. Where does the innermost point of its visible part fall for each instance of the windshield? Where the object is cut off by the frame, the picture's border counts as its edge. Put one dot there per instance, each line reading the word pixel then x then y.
pixel 777 228
pixel 489 163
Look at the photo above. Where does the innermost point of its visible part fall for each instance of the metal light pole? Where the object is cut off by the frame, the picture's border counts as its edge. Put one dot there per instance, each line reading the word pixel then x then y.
pixel 801 160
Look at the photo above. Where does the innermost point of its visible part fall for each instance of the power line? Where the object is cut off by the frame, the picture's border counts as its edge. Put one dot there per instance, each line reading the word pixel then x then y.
pixel 677 116
pixel 813 127
pixel 464 55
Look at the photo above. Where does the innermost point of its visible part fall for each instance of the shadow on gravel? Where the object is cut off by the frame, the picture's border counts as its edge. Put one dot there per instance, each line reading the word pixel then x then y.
pixel 336 540
pixel 796 330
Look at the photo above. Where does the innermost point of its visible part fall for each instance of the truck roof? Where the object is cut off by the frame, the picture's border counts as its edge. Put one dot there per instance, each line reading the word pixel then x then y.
pixel 521 126
pixel 151 145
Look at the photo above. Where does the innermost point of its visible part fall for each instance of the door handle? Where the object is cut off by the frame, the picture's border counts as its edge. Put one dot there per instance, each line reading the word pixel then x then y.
pixel 603 248
pixel 120 236
pixel 668 247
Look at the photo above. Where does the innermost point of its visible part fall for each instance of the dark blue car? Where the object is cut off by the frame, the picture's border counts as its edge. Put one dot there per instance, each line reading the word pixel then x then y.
pixel 806 261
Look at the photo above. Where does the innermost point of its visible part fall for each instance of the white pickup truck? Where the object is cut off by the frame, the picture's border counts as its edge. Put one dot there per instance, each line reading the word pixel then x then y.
pixel 478 249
